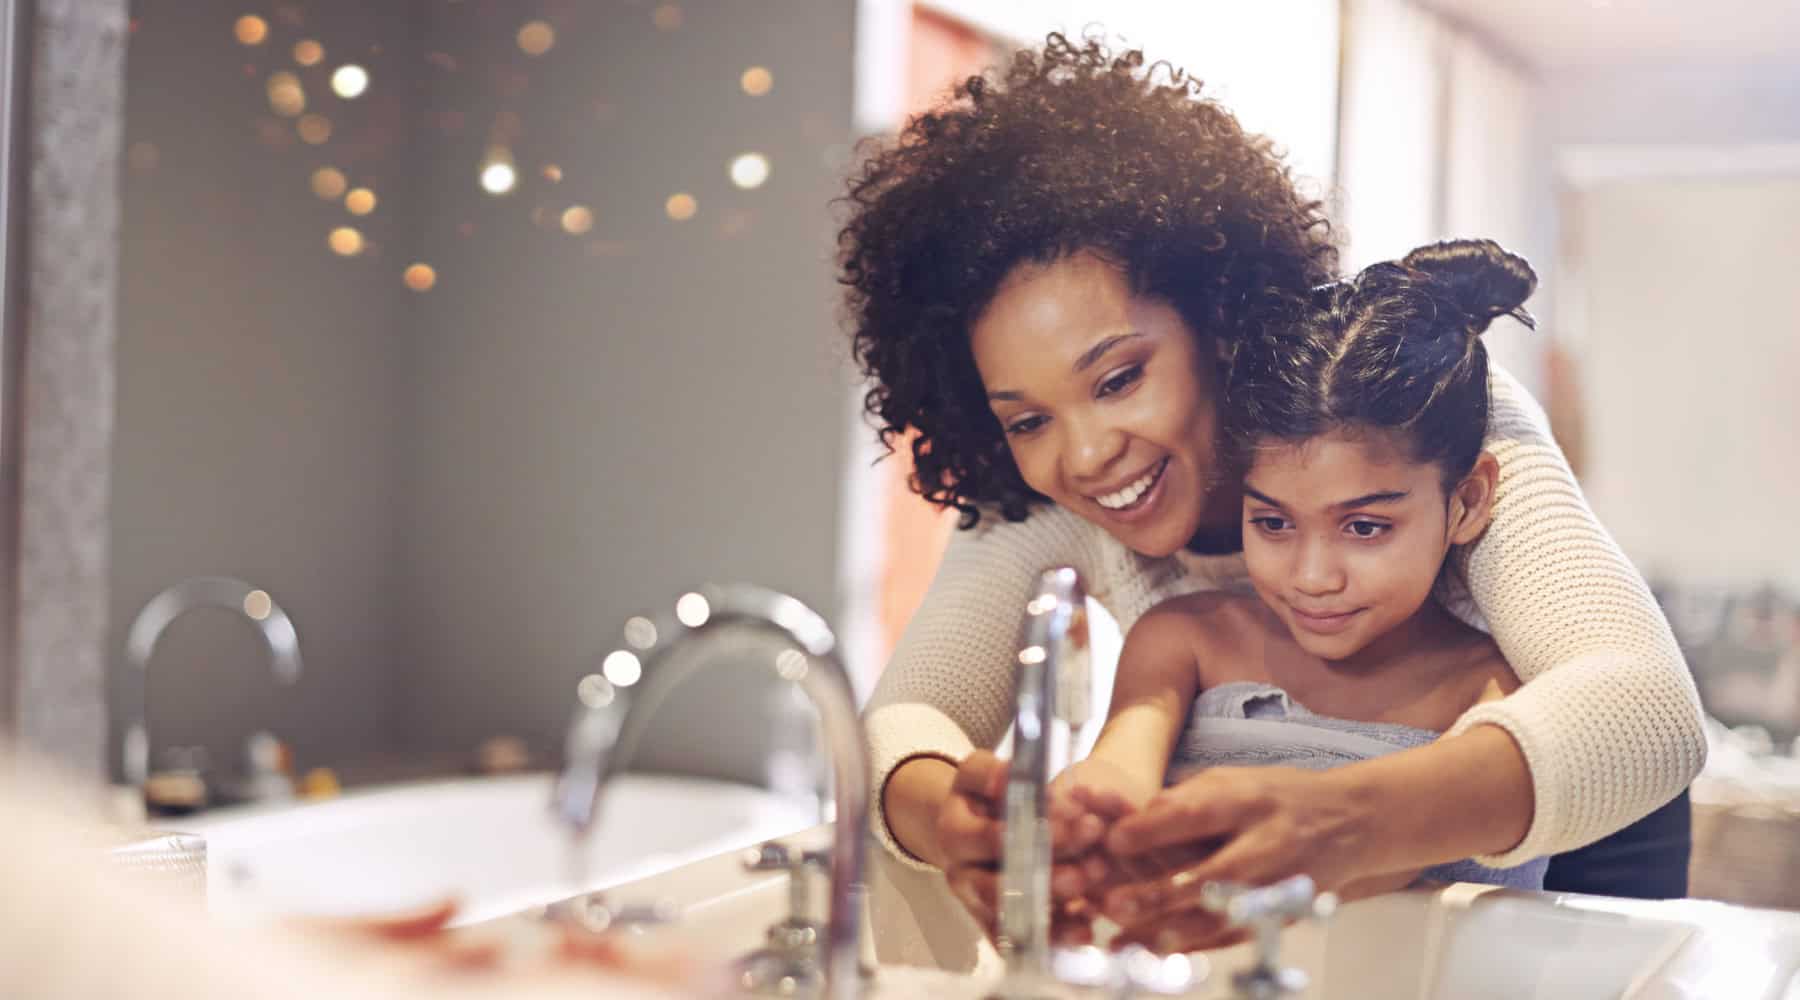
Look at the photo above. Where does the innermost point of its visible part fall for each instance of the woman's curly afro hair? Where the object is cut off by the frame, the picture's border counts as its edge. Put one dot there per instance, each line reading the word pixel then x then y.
pixel 1069 149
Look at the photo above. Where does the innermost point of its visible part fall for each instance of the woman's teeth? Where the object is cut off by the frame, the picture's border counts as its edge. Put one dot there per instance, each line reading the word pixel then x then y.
pixel 1130 494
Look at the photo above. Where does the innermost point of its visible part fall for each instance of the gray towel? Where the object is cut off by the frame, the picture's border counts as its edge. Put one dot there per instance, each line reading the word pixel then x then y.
pixel 1247 724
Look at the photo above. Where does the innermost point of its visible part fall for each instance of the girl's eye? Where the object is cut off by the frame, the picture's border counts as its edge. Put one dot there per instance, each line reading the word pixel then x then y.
pixel 1368 529
pixel 1269 523
pixel 1121 380
pixel 1025 425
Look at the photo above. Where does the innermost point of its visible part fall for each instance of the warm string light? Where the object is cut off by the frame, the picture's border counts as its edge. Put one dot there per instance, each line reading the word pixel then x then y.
pixel 349 81
pixel 750 170
pixel 328 183
pixel 535 38
pixel 287 98
pixel 250 30
pixel 345 241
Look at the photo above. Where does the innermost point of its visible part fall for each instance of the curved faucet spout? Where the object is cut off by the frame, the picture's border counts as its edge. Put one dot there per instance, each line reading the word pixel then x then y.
pixel 271 622
pixel 607 732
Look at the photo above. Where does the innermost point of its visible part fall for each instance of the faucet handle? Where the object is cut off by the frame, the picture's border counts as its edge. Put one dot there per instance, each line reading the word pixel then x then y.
pixel 1264 910
pixel 775 856
pixel 592 913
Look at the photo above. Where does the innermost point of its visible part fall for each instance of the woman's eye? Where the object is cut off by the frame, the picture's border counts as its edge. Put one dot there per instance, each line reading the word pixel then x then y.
pixel 1269 523
pixel 1121 380
pixel 1025 425
pixel 1367 529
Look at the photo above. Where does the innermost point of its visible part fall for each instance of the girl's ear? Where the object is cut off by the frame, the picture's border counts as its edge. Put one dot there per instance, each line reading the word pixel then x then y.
pixel 1472 501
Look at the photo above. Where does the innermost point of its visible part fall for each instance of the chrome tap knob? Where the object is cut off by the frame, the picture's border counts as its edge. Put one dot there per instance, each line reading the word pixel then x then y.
pixel 1264 911
pixel 799 932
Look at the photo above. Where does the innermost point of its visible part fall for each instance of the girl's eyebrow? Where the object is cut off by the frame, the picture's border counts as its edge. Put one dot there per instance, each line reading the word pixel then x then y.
pixel 1264 497
pixel 1371 499
pixel 1366 500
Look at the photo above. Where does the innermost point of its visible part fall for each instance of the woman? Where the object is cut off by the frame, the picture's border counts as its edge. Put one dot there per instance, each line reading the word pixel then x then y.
pixel 1043 281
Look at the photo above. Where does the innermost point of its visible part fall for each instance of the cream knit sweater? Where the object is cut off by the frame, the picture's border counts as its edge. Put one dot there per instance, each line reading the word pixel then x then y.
pixel 1608 717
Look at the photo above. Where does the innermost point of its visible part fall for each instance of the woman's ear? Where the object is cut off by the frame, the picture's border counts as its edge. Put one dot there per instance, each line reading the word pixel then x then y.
pixel 1472 501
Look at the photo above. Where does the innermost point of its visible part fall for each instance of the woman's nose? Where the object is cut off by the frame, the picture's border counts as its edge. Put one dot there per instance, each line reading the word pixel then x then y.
pixel 1092 448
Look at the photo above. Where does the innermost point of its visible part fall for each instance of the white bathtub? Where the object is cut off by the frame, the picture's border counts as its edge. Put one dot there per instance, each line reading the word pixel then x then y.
pixel 490 842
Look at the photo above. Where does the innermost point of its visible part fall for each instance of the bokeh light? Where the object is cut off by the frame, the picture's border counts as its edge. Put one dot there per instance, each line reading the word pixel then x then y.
pixel 315 130
pixel 681 206
pixel 595 691
pixel 622 667
pixel 536 38
pixel 251 30
pixel 308 52
pixel 360 201
pixel 286 97
pixel 692 610
pixel 577 219
pixel 420 277
pixel 328 183
pixel 498 178
pixel 346 241
pixel 640 631
pixel 757 81
pixel 258 604
pixel 552 173
pixel 667 17
pixel 750 170
pixel 349 81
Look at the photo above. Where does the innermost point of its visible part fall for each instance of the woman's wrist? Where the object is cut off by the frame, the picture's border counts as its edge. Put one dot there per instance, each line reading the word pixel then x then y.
pixel 910 799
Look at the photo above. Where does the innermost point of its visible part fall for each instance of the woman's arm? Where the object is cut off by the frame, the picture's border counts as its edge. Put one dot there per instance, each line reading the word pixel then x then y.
pixel 1608 723
pixel 948 689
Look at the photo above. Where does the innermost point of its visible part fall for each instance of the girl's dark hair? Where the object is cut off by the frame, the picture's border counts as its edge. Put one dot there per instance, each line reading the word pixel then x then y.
pixel 1397 347
pixel 1068 149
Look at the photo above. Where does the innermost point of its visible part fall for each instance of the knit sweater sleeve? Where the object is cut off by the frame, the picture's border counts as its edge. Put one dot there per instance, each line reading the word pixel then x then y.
pixel 948 688
pixel 1607 717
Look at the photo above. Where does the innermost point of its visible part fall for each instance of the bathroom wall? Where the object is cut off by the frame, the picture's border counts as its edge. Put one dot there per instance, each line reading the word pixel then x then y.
pixel 460 493
pixel 260 374
pixel 601 420
pixel 1690 356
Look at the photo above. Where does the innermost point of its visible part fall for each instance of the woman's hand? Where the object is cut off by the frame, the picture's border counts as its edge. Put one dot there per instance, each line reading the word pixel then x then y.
pixel 968 834
pixel 1230 824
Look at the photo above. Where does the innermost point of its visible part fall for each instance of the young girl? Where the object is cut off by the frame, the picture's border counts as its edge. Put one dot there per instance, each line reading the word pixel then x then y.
pixel 1360 431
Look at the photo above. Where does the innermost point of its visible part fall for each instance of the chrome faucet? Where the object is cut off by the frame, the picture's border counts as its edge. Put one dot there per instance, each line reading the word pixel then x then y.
pixel 610 725
pixel 200 592
pixel 1051 682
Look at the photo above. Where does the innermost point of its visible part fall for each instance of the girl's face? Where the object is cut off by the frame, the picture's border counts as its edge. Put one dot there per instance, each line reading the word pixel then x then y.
pixel 1344 534
pixel 1106 399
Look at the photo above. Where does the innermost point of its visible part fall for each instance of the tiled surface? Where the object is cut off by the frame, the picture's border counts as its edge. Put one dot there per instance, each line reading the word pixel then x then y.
pixel 67 398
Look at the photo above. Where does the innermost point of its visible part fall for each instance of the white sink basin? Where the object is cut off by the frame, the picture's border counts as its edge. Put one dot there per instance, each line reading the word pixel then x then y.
pixel 489 842
pixel 1464 942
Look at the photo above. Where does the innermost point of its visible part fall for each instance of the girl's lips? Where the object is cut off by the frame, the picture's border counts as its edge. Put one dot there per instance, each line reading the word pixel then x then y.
pixel 1324 624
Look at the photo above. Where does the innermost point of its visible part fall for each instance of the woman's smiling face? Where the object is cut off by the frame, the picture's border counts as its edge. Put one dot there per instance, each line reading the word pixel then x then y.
pixel 1107 399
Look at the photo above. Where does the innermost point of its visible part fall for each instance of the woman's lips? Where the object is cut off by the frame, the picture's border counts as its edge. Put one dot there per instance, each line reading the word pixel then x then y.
pixel 1144 504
